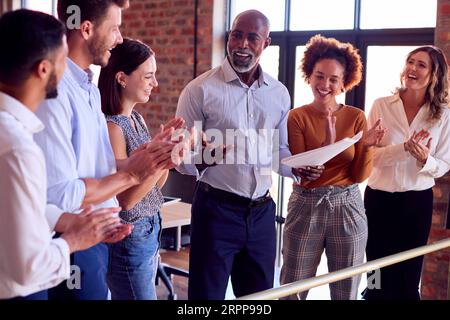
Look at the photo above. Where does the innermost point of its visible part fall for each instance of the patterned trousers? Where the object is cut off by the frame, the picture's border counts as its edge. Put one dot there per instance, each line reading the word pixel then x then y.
pixel 331 218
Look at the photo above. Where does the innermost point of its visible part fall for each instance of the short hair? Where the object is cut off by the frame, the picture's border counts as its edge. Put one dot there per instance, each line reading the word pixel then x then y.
pixel 437 91
pixel 319 48
pixel 125 57
pixel 258 14
pixel 90 10
pixel 29 37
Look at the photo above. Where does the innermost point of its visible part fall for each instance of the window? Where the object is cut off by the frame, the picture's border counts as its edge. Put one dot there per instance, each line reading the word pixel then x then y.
pixel 322 14
pixel 382 14
pixel 384 31
pixel 274 10
pixel 47 6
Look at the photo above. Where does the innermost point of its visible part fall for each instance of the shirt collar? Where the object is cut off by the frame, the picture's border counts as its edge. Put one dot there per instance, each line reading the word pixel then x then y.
pixel 396 98
pixel 21 113
pixel 83 77
pixel 231 75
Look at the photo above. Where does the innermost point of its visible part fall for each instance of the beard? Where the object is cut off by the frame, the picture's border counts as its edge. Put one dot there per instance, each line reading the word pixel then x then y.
pixel 99 52
pixel 51 89
pixel 244 65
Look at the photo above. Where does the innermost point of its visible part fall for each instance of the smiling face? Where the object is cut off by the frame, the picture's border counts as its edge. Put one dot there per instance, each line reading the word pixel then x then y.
pixel 248 38
pixel 326 81
pixel 106 36
pixel 140 83
pixel 416 74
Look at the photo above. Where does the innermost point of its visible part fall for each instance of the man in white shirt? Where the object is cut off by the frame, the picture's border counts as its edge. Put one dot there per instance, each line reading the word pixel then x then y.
pixel 81 167
pixel 31 261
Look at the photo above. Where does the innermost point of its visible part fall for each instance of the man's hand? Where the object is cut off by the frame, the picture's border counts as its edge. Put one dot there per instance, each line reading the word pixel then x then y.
pixel 91 227
pixel 212 155
pixel 309 173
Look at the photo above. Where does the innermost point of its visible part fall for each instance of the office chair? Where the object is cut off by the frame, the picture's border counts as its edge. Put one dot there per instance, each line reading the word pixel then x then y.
pixel 165 272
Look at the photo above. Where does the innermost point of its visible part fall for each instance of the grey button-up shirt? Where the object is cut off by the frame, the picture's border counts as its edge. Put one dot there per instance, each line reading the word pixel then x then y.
pixel 252 119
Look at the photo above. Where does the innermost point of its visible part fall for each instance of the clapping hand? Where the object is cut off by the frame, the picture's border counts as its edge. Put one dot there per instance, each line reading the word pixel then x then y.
pixel 374 135
pixel 416 148
pixel 330 129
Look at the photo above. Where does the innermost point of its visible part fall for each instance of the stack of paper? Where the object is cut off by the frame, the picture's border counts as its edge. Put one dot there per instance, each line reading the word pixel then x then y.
pixel 321 155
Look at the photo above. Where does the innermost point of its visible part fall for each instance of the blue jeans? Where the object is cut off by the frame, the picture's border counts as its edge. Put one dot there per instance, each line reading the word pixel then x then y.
pixel 133 262
pixel 41 295
pixel 93 265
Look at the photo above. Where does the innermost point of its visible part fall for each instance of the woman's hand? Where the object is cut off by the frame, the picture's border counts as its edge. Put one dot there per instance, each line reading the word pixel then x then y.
pixel 330 129
pixel 417 149
pixel 374 135
pixel 309 173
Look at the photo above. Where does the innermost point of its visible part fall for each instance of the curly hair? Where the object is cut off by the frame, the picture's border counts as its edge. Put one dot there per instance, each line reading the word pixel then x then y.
pixel 437 90
pixel 319 48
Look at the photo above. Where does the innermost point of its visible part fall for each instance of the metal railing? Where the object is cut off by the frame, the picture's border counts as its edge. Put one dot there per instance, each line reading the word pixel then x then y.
pixel 306 284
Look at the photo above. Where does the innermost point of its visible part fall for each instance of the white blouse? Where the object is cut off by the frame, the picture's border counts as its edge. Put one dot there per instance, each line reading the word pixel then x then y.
pixel 396 170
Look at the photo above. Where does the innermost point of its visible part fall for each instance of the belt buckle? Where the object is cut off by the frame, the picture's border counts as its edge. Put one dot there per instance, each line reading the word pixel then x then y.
pixel 259 201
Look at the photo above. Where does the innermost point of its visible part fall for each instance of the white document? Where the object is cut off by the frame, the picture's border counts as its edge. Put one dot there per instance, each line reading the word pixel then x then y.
pixel 321 155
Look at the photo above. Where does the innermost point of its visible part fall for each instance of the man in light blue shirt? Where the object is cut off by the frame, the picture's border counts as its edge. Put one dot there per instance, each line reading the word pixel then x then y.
pixel 81 168
pixel 233 215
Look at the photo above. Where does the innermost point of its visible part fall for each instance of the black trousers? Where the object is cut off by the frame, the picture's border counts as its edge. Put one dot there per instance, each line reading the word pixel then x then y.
pixel 397 222
pixel 229 237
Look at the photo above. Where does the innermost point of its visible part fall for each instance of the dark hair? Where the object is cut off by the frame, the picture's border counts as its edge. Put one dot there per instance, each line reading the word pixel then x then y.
pixel 90 10
pixel 437 91
pixel 319 48
pixel 29 37
pixel 125 57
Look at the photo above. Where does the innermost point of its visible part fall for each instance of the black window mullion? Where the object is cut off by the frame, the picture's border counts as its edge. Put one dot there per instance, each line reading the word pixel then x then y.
pixel 357 16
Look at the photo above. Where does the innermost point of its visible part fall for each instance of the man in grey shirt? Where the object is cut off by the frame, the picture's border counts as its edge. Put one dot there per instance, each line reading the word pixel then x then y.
pixel 233 215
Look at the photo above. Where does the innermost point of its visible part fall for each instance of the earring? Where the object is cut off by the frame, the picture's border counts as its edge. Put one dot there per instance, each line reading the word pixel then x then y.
pixel 123 84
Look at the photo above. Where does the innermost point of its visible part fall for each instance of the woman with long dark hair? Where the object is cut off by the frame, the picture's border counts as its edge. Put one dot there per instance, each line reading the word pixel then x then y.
pixel 128 80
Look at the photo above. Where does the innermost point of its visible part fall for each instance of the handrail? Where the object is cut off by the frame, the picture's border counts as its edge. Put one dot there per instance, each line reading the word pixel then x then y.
pixel 306 284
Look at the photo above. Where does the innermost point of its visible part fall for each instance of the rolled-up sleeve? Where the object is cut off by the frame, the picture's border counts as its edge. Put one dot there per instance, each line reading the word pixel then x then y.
pixel 65 189
pixel 190 109
pixel 283 143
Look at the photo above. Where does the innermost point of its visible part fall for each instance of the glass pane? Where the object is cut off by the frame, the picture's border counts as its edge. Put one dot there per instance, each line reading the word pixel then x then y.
pixel 302 91
pixel 385 14
pixel 384 65
pixel 270 60
pixel 322 14
pixel 40 5
pixel 274 10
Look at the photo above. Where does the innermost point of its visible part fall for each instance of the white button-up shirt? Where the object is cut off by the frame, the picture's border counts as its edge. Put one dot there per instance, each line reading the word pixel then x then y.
pixel 30 260
pixel 256 116
pixel 396 170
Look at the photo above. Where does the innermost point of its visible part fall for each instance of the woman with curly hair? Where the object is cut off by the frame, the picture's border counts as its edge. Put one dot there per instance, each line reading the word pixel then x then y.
pixel 414 152
pixel 325 210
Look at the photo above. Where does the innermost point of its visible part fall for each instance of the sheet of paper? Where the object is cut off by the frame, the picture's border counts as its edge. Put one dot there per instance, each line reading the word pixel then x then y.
pixel 321 155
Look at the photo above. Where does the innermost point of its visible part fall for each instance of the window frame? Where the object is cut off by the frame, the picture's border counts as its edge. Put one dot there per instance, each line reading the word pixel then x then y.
pixel 361 38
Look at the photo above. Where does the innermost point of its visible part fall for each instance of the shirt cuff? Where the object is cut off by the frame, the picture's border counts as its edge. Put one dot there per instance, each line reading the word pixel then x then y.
pixel 429 166
pixel 53 213
pixel 63 246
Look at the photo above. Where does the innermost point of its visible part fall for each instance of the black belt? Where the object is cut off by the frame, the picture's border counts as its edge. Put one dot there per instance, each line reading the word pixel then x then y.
pixel 232 197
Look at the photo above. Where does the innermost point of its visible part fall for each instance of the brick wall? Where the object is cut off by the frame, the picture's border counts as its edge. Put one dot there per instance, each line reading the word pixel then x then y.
pixel 168 27
pixel 436 273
